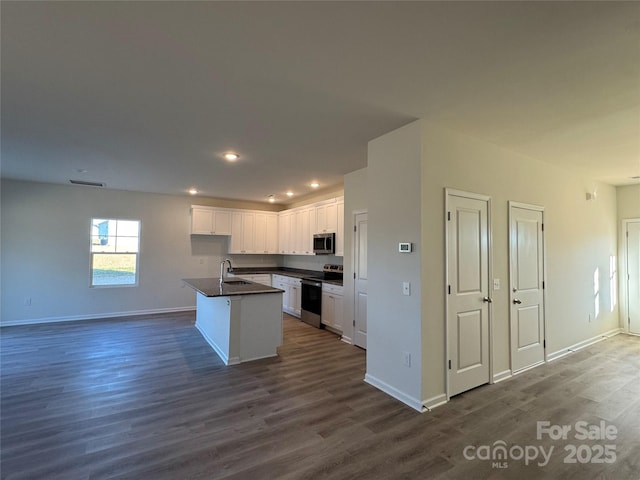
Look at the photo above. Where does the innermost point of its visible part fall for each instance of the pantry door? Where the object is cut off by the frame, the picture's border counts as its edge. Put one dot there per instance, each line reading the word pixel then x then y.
pixel 467 290
pixel 526 265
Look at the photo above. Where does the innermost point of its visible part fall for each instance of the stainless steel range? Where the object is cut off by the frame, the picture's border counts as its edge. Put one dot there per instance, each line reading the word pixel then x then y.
pixel 312 294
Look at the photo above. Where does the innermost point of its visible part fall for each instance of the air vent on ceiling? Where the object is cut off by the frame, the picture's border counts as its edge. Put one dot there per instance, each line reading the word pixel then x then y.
pixel 87 184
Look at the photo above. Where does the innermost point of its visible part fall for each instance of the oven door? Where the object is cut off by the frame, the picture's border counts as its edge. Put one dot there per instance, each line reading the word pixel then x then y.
pixel 311 302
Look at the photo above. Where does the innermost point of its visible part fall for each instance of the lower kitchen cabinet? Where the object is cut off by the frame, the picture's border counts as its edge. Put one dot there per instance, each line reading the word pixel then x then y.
pixel 292 297
pixel 332 301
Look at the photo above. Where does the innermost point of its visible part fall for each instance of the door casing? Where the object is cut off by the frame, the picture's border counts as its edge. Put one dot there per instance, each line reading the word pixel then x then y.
pixel 356 251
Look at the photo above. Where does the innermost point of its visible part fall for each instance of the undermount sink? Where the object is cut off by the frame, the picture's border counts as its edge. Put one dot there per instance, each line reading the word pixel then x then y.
pixel 236 282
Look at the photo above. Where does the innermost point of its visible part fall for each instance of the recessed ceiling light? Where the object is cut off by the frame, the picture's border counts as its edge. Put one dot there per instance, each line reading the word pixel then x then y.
pixel 193 191
pixel 272 198
pixel 81 170
pixel 315 185
pixel 289 194
pixel 231 156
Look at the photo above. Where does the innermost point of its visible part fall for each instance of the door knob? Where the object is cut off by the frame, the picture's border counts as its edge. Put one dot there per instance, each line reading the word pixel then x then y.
pixel 516 301
pixel 487 300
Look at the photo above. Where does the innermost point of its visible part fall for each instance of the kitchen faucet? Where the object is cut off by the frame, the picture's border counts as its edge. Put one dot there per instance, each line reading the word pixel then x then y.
pixel 230 269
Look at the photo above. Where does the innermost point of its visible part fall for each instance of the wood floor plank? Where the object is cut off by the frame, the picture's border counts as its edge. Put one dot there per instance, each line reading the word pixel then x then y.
pixel 146 397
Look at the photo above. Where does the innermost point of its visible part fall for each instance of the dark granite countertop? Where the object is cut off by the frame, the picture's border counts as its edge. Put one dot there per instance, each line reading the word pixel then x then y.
pixel 289 272
pixel 210 287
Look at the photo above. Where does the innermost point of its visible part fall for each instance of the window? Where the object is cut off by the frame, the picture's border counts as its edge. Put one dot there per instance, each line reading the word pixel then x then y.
pixel 115 245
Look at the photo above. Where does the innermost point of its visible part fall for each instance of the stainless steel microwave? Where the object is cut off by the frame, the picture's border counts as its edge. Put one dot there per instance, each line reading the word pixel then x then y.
pixel 324 243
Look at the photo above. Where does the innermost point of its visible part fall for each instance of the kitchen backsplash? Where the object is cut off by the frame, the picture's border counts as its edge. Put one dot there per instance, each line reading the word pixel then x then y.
pixel 309 262
pixel 208 252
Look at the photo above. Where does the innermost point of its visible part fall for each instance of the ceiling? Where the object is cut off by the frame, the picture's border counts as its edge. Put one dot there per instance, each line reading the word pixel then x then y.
pixel 147 96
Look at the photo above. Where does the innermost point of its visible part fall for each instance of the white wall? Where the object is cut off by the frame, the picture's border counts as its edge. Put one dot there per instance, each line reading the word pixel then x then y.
pixel 45 252
pixel 394 321
pixel 355 200
pixel 628 208
pixel 580 236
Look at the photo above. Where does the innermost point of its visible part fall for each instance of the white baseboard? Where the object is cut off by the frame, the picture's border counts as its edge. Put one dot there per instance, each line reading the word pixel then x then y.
pixel 96 316
pixel 585 343
pixel 346 339
pixel 221 353
pixel 433 402
pixel 500 376
pixel 395 393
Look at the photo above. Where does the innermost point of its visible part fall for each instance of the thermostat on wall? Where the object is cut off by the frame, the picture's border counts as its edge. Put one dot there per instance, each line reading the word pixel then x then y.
pixel 404 247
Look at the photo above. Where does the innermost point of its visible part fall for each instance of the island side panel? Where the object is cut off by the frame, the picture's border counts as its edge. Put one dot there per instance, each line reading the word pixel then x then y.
pixel 261 326
pixel 213 321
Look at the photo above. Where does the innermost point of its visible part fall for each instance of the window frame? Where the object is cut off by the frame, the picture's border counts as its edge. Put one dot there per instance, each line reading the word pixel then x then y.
pixel 137 254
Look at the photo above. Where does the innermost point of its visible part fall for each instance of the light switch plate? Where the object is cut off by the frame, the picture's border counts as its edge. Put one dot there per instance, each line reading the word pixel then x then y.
pixel 406 288
pixel 496 284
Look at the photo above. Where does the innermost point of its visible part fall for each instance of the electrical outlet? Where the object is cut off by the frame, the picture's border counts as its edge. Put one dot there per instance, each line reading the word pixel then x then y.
pixel 406 288
pixel 406 359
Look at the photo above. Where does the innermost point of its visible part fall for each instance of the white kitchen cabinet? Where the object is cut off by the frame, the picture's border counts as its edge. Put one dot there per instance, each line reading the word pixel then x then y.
pixel 284 231
pixel 305 231
pixel 301 232
pixel 294 235
pixel 295 297
pixel 292 297
pixel 297 226
pixel 340 227
pixel 210 221
pixel 242 232
pixel 326 214
pixel 266 233
pixel 332 302
pixel 282 282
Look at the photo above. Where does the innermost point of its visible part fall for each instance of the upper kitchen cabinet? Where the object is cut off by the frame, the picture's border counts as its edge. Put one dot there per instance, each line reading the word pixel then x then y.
pixel 340 229
pixel 298 225
pixel 301 231
pixel 253 232
pixel 210 221
pixel 242 232
pixel 284 231
pixel 326 216
pixel 266 233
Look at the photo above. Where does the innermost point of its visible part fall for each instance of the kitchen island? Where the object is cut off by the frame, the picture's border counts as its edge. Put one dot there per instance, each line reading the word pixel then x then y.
pixel 241 320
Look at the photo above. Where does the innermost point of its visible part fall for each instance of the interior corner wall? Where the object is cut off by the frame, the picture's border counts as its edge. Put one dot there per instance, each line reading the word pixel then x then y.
pixel 628 197
pixel 580 236
pixel 45 253
pixel 355 200
pixel 394 212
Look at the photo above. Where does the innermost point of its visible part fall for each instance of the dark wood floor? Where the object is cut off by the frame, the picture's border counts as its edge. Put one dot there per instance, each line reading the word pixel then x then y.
pixel 146 398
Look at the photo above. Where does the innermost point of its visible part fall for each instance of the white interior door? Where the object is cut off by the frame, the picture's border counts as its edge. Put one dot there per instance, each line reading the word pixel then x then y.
pixel 468 291
pixel 526 264
pixel 360 282
pixel 633 275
